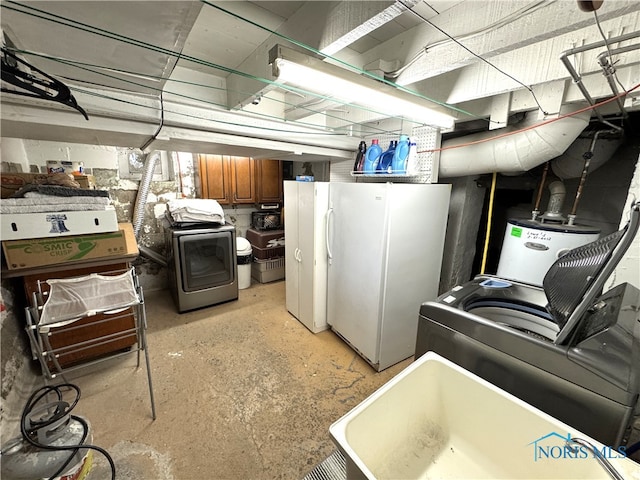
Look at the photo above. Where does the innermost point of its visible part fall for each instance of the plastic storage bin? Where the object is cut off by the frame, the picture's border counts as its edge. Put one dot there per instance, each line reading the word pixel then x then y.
pixel 244 251
pixel 265 271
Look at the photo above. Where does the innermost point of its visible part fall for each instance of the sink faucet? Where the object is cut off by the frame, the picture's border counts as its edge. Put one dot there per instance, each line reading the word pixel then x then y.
pixel 613 473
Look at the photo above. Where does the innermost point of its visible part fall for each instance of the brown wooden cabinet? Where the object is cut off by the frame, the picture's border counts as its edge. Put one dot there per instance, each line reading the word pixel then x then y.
pixel 215 178
pixel 240 180
pixel 243 180
pixel 269 181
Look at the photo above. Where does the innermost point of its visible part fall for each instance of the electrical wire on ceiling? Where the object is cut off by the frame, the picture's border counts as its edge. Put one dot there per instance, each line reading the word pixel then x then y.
pixel 342 62
pixel 222 122
pixel 98 70
pixel 479 57
pixel 101 32
pixel 141 44
pixel 532 127
pixel 467 36
pixel 157 132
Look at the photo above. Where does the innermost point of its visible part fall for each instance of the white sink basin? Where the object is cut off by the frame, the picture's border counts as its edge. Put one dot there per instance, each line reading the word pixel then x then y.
pixel 437 420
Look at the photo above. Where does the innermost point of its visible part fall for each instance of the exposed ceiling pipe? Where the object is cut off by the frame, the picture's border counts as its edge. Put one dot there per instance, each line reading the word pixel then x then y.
pixel 577 79
pixel 609 71
pixel 585 171
pixel 528 147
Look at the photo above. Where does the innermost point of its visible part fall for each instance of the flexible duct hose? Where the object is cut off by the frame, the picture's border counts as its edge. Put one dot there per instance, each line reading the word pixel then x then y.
pixel 150 163
pixel 528 147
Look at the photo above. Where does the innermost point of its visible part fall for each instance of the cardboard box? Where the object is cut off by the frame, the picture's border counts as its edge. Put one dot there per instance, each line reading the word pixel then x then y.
pixel 88 182
pixel 51 251
pixel 20 226
pixel 10 183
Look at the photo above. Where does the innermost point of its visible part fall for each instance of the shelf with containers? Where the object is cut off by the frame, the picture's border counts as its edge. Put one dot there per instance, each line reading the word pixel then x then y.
pixel 425 168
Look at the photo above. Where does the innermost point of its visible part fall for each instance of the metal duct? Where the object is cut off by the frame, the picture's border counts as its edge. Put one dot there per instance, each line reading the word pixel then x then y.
pixel 143 191
pixel 141 200
pixel 512 154
pixel 152 255
pixel 570 163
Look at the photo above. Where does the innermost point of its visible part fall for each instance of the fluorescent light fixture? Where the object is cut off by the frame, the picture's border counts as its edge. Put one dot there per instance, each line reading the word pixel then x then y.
pixel 344 86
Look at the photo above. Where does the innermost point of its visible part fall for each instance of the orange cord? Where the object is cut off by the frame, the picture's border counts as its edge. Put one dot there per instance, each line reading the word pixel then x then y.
pixel 551 120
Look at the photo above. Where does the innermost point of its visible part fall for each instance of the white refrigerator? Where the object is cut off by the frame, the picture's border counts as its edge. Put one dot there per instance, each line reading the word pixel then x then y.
pixel 384 251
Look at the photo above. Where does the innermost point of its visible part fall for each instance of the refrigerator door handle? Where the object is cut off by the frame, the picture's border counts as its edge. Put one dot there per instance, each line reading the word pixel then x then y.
pixel 326 231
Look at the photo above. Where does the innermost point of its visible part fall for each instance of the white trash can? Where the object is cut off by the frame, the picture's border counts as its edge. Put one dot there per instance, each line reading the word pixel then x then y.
pixel 244 258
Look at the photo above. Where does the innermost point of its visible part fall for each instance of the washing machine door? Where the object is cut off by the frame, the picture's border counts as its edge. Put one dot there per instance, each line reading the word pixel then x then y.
pixel 576 279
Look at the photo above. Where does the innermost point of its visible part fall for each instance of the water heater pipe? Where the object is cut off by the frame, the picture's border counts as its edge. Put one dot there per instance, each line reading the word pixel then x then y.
pixel 557 193
pixel 588 155
pixel 536 208
pixel 527 148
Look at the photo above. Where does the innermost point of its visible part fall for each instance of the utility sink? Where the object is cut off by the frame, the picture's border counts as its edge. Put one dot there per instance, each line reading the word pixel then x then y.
pixel 438 420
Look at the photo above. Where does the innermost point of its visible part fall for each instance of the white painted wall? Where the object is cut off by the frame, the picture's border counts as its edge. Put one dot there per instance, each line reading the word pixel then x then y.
pixel 37 152
pixel 13 154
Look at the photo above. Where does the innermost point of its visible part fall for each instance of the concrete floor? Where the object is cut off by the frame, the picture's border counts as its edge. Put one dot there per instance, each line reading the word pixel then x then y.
pixel 243 391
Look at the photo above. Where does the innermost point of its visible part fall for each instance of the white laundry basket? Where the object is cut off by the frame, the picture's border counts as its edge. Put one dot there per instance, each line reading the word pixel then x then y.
pixel 244 257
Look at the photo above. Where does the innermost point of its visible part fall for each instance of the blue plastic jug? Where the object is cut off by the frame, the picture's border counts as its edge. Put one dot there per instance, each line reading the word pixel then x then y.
pixel 372 156
pixel 384 164
pixel 400 155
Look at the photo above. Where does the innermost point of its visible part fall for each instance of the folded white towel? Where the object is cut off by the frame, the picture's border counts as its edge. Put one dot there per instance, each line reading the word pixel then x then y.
pixel 195 210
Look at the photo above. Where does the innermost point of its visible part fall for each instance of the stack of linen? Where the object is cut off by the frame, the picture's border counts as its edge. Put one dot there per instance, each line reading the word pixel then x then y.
pixel 54 198
pixel 195 210
pixel 39 211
